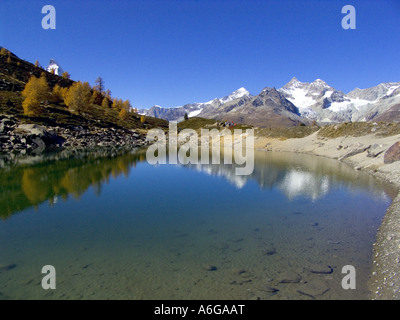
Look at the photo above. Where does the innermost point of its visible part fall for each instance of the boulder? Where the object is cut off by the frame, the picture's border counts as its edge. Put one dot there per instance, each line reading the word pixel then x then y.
pixel 39 137
pixel 32 129
pixel 392 154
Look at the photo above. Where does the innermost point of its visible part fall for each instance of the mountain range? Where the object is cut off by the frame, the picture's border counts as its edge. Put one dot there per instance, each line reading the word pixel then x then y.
pixel 295 103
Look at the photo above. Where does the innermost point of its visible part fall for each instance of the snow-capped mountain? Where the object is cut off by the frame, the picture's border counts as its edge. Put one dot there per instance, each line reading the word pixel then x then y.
pixel 268 109
pixel 294 103
pixel 239 93
pixel 192 109
pixel 323 103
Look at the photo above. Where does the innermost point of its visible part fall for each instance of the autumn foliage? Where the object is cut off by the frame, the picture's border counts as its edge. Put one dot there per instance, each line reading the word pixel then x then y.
pixel 35 93
pixel 78 97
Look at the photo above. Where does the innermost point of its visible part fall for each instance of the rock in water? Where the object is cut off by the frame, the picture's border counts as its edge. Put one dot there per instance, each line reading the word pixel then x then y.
pixel 209 267
pixel 321 269
pixel 7 267
pixel 392 154
pixel 314 289
pixel 289 277
pixel 270 290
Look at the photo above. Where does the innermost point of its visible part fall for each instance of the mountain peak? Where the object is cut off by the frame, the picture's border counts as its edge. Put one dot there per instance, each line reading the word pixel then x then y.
pixel 320 83
pixel 239 93
pixel 293 83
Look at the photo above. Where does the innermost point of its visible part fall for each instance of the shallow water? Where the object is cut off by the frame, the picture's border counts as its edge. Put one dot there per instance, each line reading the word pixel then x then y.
pixel 116 227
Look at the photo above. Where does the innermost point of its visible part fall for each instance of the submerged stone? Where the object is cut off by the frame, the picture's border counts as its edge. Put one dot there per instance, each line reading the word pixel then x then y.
pixel 209 267
pixel 290 277
pixel 7 267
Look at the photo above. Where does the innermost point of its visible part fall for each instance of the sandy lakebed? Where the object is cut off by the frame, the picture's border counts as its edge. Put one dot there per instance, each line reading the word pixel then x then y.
pixel 363 153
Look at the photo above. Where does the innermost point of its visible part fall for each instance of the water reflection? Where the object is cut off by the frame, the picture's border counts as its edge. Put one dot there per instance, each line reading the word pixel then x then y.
pixel 300 175
pixel 30 182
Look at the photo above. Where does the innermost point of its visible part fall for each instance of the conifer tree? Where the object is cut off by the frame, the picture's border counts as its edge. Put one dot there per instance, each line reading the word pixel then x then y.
pixel 4 52
pixel 106 102
pixel 123 114
pixel 57 94
pixel 66 75
pixel 35 92
pixel 127 105
pixel 99 85
pixel 108 94
pixel 117 104
pixel 78 97
pixel 96 98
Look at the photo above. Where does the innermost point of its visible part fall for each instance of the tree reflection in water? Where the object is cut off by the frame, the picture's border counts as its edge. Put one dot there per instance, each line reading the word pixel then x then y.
pixel 25 184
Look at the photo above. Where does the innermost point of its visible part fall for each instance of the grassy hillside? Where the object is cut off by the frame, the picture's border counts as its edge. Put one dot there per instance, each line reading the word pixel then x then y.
pixel 197 123
pixel 15 73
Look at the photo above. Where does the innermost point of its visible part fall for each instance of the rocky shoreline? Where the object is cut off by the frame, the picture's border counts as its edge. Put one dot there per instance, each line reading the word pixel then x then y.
pixel 365 153
pixel 17 138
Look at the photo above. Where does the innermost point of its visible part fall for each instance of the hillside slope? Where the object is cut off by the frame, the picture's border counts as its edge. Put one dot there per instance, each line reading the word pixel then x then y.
pixel 15 73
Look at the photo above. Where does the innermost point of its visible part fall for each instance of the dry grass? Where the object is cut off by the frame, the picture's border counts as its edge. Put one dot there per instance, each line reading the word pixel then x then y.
pixel 286 133
pixel 358 129
pixel 197 123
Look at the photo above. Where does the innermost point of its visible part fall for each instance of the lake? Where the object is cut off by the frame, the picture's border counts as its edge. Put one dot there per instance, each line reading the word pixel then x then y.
pixel 115 227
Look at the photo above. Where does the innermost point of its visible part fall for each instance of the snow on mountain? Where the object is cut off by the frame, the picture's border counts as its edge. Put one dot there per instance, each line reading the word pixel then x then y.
pixel 195 113
pixel 392 88
pixel 351 103
pixel 193 109
pixel 321 102
pixel 296 101
pixel 375 93
pixel 241 92
pixel 304 95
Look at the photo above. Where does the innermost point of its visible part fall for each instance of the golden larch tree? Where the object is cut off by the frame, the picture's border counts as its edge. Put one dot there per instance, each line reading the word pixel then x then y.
pixel 57 94
pixel 96 98
pixel 78 97
pixel 66 75
pixel 117 104
pixel 106 102
pixel 123 114
pixel 35 93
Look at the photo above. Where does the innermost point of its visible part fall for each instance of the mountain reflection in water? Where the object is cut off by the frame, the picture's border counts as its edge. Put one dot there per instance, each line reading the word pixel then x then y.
pixel 299 175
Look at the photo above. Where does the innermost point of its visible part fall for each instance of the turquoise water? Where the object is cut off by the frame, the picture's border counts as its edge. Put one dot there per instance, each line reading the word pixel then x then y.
pixel 115 227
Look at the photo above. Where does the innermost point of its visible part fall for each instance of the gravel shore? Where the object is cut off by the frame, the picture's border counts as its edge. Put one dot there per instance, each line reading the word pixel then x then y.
pixel 363 153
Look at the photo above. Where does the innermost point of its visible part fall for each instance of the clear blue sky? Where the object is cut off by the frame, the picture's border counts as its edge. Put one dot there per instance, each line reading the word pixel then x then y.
pixel 173 52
